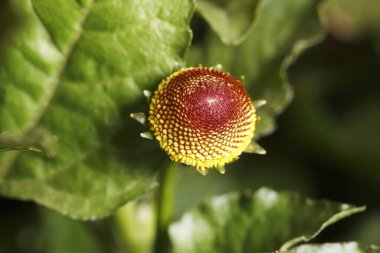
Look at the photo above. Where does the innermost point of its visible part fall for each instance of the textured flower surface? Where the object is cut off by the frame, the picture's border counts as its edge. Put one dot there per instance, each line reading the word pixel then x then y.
pixel 202 117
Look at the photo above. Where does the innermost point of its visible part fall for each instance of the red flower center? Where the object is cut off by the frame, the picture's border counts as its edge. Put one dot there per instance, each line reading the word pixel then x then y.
pixel 211 105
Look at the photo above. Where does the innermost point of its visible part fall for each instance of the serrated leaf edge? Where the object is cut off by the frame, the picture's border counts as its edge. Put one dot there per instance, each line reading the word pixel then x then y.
pixel 335 218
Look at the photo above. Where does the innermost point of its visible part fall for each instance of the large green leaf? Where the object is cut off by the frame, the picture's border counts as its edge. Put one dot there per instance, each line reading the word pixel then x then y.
pixel 263 222
pixel 281 30
pixel 347 247
pixel 69 79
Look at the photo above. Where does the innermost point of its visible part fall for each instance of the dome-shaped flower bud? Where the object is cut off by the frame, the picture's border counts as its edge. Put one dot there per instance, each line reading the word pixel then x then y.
pixel 202 117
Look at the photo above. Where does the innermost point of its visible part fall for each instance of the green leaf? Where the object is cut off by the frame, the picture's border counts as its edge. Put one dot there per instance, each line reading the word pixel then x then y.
pixel 75 71
pixel 263 222
pixel 231 20
pixel 281 31
pixel 347 247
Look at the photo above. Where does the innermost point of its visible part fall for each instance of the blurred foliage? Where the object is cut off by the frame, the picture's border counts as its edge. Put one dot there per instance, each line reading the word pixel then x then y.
pixel 326 145
pixel 38 230
pixel 231 20
pixel 350 20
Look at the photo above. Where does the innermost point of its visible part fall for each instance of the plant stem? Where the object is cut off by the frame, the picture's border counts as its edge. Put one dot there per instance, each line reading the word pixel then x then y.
pixel 164 205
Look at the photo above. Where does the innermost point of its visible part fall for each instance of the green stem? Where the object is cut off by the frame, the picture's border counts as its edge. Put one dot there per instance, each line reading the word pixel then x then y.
pixel 127 219
pixel 165 204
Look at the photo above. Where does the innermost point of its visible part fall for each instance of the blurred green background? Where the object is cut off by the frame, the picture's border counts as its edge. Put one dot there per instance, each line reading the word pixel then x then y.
pixel 327 145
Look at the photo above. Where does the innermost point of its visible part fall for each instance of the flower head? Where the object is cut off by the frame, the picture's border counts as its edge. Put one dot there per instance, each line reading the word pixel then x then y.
pixel 202 117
